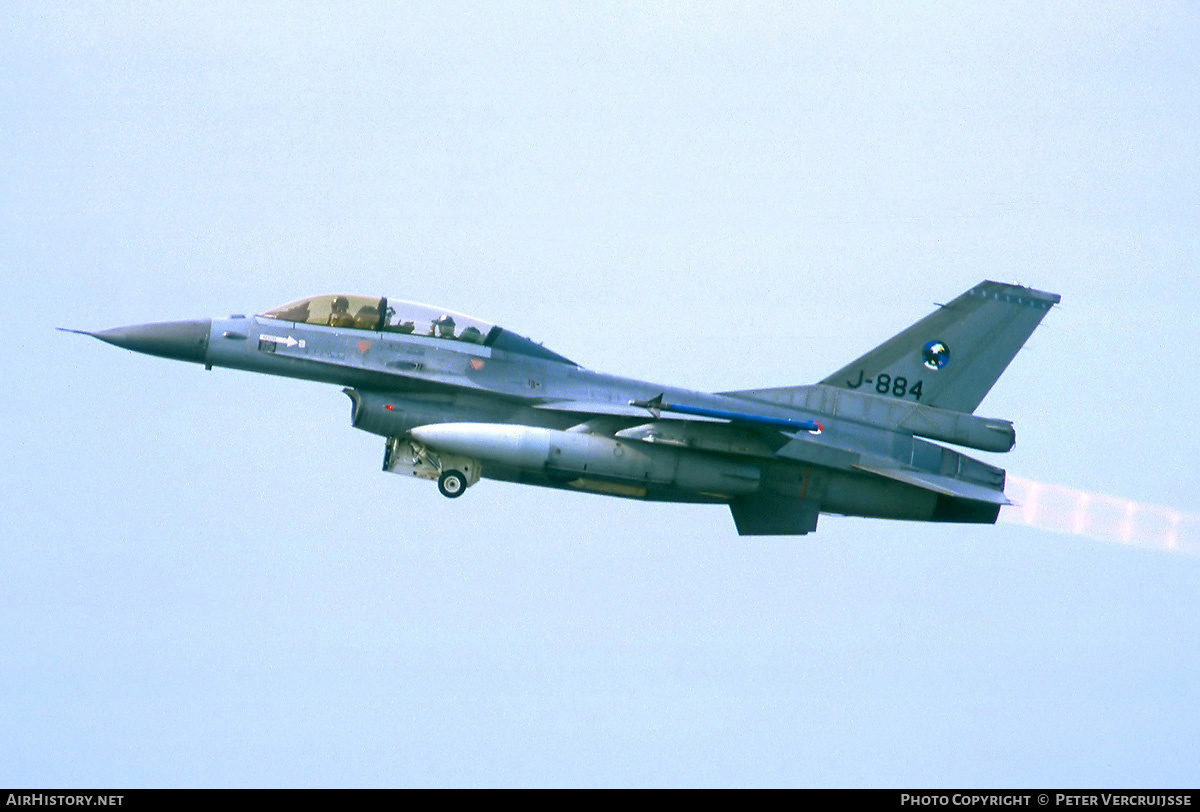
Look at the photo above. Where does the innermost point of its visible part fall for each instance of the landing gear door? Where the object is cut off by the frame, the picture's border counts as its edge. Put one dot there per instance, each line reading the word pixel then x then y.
pixel 406 456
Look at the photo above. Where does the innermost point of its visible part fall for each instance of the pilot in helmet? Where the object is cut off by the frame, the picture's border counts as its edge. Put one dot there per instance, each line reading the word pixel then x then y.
pixel 443 327
pixel 340 315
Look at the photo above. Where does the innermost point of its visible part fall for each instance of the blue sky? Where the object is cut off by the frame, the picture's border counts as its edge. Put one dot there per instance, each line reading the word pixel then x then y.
pixel 208 581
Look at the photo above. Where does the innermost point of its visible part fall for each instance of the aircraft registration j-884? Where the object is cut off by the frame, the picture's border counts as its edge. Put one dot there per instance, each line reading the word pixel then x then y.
pixel 457 399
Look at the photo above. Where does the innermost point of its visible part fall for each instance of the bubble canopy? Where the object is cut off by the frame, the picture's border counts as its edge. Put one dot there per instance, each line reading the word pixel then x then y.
pixel 381 315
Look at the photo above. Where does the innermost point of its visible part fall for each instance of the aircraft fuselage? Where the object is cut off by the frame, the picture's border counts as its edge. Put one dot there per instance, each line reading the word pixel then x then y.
pixel 458 400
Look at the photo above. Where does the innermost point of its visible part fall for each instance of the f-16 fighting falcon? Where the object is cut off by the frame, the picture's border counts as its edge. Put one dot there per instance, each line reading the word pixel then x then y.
pixel 457 400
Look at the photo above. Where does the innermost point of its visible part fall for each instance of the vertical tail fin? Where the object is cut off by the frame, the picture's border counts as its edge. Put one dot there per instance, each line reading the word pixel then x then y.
pixel 951 358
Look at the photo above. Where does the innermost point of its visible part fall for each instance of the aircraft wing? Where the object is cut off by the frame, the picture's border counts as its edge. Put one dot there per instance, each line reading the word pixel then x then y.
pixel 605 409
pixel 656 406
pixel 750 435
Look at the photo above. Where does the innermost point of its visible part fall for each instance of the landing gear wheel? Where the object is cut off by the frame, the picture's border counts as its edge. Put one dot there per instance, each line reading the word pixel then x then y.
pixel 452 484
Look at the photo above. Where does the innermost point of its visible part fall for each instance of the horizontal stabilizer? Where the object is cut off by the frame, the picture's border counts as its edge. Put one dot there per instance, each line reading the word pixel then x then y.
pixel 947 486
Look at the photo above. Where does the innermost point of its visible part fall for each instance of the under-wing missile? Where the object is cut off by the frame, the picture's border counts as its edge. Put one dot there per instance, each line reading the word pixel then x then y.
pixel 656 405
pixel 587 455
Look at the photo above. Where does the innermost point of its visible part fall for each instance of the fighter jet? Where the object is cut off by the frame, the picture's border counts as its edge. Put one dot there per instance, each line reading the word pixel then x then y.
pixel 457 400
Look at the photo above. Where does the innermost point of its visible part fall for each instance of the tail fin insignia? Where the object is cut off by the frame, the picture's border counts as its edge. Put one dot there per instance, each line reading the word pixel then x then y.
pixel 951 358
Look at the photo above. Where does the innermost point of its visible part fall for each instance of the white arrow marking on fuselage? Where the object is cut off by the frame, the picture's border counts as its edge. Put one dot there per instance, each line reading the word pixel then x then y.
pixel 289 341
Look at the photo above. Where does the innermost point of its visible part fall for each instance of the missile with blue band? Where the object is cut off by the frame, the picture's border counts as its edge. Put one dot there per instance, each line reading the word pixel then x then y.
pixel 656 405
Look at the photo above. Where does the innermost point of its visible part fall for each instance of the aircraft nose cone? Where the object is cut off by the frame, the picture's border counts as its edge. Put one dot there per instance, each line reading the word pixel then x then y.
pixel 182 340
